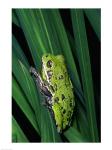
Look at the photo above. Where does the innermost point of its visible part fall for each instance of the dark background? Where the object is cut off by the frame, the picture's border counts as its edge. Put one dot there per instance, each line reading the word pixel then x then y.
pixel 95 56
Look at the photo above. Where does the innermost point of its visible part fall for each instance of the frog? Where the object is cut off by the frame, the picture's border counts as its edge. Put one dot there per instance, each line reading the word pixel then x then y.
pixel 56 86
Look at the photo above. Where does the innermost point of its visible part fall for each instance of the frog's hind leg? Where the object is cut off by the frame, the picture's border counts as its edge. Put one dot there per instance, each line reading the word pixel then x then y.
pixel 40 82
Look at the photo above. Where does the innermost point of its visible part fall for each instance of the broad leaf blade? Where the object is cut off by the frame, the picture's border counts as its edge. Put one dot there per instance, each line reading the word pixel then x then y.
pixel 23 104
pixel 19 52
pixel 82 51
pixel 49 30
pixel 27 84
pixel 17 133
pixel 33 34
pixel 73 135
pixel 14 18
pixel 82 121
pixel 94 16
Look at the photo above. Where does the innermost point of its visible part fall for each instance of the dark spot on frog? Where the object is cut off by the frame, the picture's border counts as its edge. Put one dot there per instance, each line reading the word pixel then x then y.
pixel 67 119
pixel 56 100
pixel 64 111
pixel 60 77
pixel 49 73
pixel 49 64
pixel 61 108
pixel 63 97
pixel 71 105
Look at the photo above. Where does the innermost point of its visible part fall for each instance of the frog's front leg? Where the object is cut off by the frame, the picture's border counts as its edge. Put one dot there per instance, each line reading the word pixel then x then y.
pixel 42 85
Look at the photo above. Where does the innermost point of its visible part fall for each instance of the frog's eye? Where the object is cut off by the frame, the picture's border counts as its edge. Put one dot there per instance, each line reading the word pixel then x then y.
pixel 46 56
pixel 49 64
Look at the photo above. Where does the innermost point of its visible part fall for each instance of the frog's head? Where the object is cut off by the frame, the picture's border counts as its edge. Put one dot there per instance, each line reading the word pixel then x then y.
pixel 50 60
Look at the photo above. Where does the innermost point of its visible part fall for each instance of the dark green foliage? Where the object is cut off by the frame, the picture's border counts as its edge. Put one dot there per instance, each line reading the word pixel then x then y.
pixel 46 32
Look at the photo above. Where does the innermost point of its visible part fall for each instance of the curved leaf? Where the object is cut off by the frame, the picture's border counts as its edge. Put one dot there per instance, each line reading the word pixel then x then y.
pixel 33 33
pixel 23 104
pixel 94 16
pixel 14 18
pixel 19 52
pixel 82 52
pixel 17 133
pixel 27 84
pixel 74 136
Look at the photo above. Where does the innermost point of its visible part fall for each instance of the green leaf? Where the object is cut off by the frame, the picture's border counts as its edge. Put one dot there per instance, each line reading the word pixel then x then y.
pixel 81 116
pixel 19 52
pixel 78 91
pixel 23 104
pixel 82 52
pixel 14 18
pixel 48 29
pixel 94 16
pixel 27 84
pixel 17 133
pixel 73 135
pixel 33 32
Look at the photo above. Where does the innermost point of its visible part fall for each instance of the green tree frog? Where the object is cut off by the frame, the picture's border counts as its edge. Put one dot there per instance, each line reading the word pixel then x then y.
pixel 56 86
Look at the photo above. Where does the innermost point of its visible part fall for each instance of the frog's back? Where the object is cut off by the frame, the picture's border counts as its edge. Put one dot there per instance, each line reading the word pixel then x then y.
pixel 63 98
pixel 55 73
